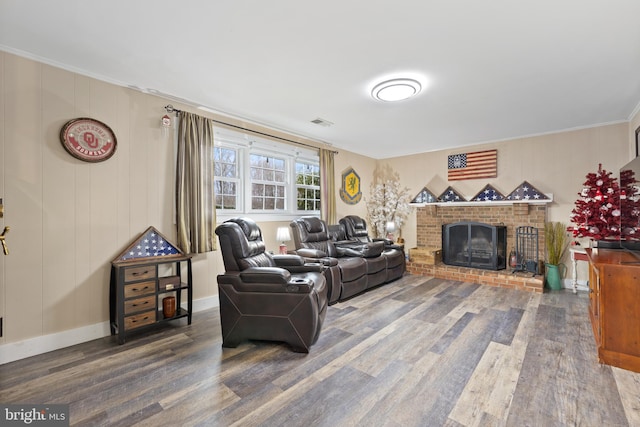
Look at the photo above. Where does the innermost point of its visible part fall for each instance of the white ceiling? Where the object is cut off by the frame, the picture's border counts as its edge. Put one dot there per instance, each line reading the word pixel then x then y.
pixel 492 69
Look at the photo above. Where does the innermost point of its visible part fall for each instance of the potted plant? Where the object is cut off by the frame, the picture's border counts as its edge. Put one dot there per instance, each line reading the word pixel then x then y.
pixel 556 242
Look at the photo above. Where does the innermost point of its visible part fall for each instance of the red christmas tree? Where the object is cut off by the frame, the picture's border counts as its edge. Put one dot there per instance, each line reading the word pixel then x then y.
pixel 597 211
pixel 629 205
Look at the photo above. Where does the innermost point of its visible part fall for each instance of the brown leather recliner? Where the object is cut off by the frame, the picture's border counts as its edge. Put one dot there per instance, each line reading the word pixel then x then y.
pixel 355 229
pixel 267 297
pixel 347 275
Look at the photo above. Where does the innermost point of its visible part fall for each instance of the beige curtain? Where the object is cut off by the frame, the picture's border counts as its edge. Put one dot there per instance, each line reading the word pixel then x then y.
pixel 195 200
pixel 327 186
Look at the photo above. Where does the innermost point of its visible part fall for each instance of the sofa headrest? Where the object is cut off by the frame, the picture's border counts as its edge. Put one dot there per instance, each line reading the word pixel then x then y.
pixel 241 244
pixel 313 224
pixel 248 227
pixel 357 222
pixel 355 227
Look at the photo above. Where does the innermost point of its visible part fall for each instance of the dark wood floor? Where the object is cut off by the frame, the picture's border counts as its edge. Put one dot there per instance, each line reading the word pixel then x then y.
pixel 416 352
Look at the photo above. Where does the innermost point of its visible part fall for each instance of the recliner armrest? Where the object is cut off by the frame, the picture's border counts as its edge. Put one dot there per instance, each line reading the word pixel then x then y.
pixel 265 275
pixel 297 264
pixel 267 280
pixel 287 260
pixel 316 255
pixel 383 239
pixel 361 249
pixel 311 253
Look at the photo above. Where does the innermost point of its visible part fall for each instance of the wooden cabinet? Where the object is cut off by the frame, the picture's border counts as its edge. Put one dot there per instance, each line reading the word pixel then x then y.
pixel 138 287
pixel 614 306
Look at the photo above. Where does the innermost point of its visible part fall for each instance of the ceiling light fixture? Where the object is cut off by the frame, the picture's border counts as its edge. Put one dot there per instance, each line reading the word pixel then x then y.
pixel 396 90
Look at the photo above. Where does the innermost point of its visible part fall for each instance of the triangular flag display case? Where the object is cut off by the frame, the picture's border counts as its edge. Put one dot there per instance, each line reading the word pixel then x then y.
pixel 488 194
pixel 526 191
pixel 148 283
pixel 451 195
pixel 150 244
pixel 425 196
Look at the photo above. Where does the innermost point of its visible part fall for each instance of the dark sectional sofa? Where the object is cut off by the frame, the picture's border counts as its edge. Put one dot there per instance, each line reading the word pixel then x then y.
pixel 353 263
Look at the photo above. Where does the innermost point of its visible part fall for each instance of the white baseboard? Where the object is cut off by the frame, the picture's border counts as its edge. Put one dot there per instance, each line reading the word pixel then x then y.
pixel 582 285
pixel 13 351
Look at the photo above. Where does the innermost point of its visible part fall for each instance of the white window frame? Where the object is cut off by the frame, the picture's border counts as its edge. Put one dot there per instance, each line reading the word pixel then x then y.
pixel 287 178
pixel 237 180
pixel 247 144
pixel 305 186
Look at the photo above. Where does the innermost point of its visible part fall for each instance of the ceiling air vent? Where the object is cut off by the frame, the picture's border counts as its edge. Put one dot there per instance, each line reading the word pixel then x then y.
pixel 322 122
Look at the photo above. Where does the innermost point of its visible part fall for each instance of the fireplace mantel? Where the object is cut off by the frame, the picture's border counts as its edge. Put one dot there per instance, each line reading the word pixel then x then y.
pixel 495 203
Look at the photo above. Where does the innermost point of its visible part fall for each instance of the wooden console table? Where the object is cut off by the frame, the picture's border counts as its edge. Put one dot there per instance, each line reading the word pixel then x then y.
pixel 138 287
pixel 614 306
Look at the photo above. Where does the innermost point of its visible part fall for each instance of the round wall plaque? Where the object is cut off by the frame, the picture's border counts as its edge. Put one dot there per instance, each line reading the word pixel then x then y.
pixel 88 139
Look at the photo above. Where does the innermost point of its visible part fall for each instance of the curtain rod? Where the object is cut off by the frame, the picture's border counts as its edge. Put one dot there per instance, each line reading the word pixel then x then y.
pixel 170 109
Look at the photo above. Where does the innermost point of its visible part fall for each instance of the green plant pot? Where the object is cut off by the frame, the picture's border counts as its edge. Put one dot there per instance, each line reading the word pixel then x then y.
pixel 554 276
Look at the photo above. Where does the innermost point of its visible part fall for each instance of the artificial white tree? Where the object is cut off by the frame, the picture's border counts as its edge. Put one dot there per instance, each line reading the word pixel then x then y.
pixel 388 202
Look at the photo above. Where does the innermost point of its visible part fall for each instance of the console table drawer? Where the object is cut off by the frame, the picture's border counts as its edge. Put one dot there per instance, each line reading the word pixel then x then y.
pixel 141 319
pixel 168 283
pixel 139 289
pixel 139 304
pixel 139 273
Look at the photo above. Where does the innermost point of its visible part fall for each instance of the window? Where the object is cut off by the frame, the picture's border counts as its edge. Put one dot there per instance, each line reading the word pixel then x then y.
pixel 260 177
pixel 267 182
pixel 307 186
pixel 226 178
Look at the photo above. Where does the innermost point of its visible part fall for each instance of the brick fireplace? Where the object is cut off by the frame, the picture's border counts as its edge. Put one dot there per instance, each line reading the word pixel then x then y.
pixel 429 221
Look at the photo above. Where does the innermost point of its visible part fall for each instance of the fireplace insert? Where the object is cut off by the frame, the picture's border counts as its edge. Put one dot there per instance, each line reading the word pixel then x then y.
pixel 475 244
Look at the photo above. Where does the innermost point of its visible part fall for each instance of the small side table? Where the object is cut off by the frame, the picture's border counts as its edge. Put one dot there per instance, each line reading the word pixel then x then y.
pixel 577 254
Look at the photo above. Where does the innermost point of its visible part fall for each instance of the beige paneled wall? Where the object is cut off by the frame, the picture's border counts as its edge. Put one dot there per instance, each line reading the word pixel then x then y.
pixel 70 218
pixel 556 163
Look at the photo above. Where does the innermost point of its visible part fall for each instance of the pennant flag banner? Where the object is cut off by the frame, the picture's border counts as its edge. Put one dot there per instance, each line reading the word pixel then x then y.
pixel 480 164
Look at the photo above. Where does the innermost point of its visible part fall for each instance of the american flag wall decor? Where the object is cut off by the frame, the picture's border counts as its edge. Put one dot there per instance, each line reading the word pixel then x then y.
pixel 480 164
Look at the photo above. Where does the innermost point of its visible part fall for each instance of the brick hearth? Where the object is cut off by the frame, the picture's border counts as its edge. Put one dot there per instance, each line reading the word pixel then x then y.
pixel 429 221
pixel 500 278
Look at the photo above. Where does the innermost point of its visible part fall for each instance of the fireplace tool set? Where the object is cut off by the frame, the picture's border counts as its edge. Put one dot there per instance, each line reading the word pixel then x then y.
pixel 526 253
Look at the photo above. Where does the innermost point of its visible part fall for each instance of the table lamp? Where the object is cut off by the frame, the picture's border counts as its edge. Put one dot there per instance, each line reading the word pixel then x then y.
pixel 282 235
pixel 391 228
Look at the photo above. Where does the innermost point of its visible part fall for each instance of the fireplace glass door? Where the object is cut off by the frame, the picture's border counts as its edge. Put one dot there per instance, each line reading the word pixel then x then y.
pixel 474 244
